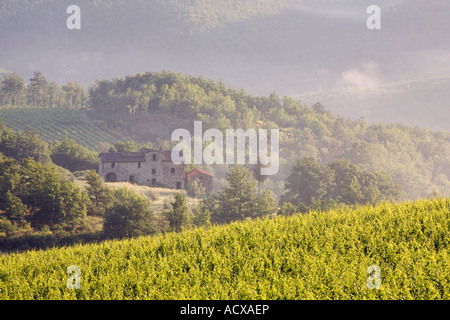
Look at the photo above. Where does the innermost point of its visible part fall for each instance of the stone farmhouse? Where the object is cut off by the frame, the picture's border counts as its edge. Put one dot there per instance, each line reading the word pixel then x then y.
pixel 149 167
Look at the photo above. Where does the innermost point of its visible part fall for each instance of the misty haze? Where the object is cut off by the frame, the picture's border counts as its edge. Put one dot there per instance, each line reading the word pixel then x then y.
pixel 294 48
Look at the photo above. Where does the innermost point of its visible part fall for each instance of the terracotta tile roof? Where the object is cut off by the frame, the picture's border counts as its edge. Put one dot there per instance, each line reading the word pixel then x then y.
pixel 197 171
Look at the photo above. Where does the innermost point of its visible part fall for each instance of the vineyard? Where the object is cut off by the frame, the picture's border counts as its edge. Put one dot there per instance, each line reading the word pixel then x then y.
pixel 312 256
pixel 55 124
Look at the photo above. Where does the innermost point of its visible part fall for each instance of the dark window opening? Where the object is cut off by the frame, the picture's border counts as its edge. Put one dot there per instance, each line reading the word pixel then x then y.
pixel 153 171
pixel 153 181
pixel 131 179
pixel 172 170
pixel 178 185
pixel 139 164
pixel 154 157
pixel 113 164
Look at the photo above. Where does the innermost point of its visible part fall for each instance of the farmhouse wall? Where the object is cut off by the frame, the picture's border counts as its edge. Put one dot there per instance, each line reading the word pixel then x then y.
pixel 147 167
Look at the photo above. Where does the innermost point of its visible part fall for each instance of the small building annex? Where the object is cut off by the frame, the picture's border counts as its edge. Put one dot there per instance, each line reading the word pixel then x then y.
pixel 204 178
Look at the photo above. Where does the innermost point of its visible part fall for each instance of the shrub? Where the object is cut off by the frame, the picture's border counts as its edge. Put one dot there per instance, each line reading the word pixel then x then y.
pixel 129 216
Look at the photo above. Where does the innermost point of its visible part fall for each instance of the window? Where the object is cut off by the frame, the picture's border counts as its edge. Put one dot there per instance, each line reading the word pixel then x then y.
pixel 113 165
pixel 154 157
pixel 172 170
pixel 178 185
pixel 153 171
pixel 139 164
pixel 131 179
pixel 153 181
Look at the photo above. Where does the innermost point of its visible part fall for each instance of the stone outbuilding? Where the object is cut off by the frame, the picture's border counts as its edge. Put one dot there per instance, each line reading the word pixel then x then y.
pixel 203 178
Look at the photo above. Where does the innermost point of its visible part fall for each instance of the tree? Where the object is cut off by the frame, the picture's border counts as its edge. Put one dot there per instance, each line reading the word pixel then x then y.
pixel 15 209
pixel 10 177
pixel 130 215
pixel 256 170
pixel 72 156
pixel 202 217
pixel 76 96
pixel 355 186
pixel 287 209
pixel 237 200
pixel 346 188
pixel 13 90
pixel 178 216
pixel 56 95
pixel 99 194
pixel 319 108
pixel 127 146
pixel 22 145
pixel 195 188
pixel 10 181
pixel 39 191
pixel 314 187
pixel 307 181
pixel 211 204
pixel 53 201
pixel 265 204
pixel 377 187
pixel 38 90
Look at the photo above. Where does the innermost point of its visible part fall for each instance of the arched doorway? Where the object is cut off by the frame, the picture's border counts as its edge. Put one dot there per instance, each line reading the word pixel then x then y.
pixel 111 177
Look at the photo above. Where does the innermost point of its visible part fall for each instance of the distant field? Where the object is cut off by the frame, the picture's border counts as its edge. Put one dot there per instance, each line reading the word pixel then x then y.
pixel 55 124
pixel 313 256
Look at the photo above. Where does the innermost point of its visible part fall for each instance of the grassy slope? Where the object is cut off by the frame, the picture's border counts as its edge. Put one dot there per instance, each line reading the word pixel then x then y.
pixel 162 194
pixel 314 256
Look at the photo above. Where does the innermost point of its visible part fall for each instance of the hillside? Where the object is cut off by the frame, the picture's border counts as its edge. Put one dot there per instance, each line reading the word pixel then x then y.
pixel 416 158
pixel 313 256
pixel 423 103
pixel 287 46
pixel 148 107
pixel 55 124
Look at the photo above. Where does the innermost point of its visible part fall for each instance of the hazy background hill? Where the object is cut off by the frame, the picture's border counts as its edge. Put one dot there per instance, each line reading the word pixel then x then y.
pixel 289 46
pixel 415 102
pixel 284 36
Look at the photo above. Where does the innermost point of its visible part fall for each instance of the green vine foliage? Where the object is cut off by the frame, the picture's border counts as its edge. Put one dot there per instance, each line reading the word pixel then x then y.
pixel 311 256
